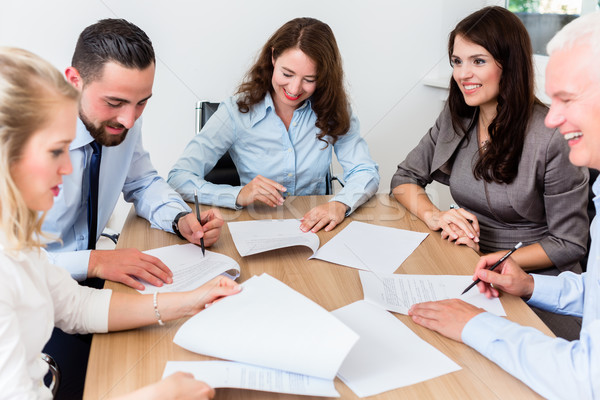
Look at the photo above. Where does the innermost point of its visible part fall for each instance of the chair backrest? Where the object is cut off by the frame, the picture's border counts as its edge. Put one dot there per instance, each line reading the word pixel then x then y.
pixel 54 370
pixel 224 171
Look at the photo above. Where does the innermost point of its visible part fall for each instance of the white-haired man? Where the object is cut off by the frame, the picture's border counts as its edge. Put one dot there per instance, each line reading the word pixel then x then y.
pixel 553 367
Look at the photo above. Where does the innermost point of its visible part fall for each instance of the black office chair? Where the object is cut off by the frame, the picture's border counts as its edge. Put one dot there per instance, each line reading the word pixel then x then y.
pixel 224 171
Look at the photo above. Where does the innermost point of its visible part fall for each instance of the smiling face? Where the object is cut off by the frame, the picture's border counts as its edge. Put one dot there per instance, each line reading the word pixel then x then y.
pixel 45 159
pixel 111 104
pixel 294 79
pixel 476 73
pixel 573 84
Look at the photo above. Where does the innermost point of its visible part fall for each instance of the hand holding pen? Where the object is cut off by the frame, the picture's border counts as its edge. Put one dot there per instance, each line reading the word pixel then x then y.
pixel 200 221
pixel 500 261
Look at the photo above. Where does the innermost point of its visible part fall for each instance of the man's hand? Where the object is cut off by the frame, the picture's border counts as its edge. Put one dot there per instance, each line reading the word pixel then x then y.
pixel 326 215
pixel 261 189
pixel 210 230
pixel 447 317
pixel 123 265
pixel 508 277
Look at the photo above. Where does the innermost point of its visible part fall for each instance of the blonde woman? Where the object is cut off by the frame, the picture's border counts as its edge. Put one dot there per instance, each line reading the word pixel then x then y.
pixel 38 112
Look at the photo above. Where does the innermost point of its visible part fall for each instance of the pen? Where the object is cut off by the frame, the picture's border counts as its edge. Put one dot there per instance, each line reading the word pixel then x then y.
pixel 199 220
pixel 504 257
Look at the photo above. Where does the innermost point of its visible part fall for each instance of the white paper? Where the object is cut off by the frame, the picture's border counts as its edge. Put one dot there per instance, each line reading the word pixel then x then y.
pixel 270 325
pixel 375 248
pixel 190 268
pixel 398 292
pixel 252 237
pixel 388 354
pixel 227 374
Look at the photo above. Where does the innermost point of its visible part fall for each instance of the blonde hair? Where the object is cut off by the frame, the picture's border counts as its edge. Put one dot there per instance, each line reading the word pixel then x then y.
pixel 30 91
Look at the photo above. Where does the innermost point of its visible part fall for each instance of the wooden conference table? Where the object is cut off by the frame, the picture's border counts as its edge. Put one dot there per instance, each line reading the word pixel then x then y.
pixel 121 362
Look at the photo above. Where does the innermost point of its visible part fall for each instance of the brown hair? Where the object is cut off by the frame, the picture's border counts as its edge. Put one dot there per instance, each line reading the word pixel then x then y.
pixel 502 34
pixel 30 91
pixel 315 39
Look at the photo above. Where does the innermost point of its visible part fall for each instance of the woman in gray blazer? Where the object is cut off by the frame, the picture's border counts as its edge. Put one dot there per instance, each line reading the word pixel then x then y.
pixel 510 175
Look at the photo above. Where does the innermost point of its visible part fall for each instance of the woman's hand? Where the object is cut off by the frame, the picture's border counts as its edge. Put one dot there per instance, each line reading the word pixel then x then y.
pixel 452 222
pixel 326 215
pixel 209 293
pixel 261 189
pixel 462 238
pixel 179 386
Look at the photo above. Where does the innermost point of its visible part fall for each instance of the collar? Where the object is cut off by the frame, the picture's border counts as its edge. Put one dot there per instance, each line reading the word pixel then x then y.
pixel 260 110
pixel 82 138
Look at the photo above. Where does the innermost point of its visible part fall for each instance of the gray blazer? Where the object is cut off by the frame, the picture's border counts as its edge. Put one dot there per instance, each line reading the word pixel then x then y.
pixel 548 189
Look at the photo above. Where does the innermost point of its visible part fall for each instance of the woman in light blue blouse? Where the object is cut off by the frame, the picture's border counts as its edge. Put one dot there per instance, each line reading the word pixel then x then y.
pixel 278 129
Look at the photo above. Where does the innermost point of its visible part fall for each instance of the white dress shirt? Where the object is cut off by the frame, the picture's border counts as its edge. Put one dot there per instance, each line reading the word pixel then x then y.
pixel 35 296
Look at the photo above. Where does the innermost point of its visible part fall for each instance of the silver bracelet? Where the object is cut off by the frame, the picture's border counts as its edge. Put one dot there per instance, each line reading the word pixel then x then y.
pixel 160 322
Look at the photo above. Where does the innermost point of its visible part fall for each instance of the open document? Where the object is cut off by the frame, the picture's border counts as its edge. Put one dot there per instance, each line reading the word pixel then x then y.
pixel 252 237
pixel 375 248
pixel 398 292
pixel 228 374
pixel 270 325
pixel 191 269
pixel 388 355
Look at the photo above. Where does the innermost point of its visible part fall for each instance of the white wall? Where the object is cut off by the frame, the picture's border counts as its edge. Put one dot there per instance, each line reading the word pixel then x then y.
pixel 205 47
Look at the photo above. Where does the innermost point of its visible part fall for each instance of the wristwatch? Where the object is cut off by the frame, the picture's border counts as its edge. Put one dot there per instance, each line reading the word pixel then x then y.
pixel 175 224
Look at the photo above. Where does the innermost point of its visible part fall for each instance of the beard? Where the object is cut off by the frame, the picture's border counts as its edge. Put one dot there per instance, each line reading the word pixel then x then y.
pixel 100 134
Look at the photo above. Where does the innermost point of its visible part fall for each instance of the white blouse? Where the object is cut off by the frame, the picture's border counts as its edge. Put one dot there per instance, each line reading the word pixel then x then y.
pixel 35 296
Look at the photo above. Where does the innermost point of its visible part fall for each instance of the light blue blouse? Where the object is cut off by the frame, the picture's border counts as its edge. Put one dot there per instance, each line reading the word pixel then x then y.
pixel 259 144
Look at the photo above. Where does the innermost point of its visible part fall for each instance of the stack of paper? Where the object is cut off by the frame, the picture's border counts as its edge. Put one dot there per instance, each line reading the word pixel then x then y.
pixel 398 293
pixel 191 269
pixel 252 237
pixel 270 325
pixel 370 247
pixel 388 355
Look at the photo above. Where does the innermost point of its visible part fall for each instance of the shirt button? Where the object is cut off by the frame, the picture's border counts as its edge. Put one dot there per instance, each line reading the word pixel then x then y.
pixel 290 150
pixel 295 124
pixel 290 174
pixel 81 237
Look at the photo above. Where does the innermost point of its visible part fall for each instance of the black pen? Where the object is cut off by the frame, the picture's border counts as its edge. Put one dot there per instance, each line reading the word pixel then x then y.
pixel 199 220
pixel 504 257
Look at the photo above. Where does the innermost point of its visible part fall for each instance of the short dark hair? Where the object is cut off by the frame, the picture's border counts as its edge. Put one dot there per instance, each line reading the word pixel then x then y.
pixel 114 40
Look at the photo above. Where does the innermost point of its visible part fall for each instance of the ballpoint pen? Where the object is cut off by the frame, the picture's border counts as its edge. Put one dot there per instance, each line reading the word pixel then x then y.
pixel 504 257
pixel 200 221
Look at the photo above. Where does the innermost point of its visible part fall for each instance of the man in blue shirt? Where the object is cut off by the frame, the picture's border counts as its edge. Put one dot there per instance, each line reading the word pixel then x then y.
pixel 553 367
pixel 113 67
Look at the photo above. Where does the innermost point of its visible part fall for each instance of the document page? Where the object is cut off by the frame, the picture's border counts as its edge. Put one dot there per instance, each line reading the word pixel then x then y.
pixel 227 374
pixel 374 248
pixel 398 292
pixel 252 237
pixel 388 354
pixel 190 268
pixel 270 325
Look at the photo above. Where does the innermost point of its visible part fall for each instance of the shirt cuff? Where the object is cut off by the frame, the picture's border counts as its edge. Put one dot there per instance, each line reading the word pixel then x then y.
pixel 482 330
pixel 546 290
pixel 75 262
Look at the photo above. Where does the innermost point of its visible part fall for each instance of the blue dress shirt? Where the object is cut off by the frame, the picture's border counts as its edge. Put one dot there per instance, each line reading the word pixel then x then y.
pixel 259 144
pixel 553 367
pixel 124 168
